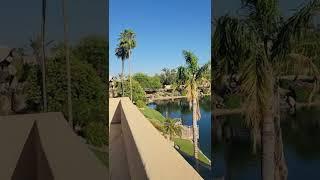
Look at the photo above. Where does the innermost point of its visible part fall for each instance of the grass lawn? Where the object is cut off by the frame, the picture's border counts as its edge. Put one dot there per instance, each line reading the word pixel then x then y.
pixel 152 114
pixel 186 146
pixel 102 156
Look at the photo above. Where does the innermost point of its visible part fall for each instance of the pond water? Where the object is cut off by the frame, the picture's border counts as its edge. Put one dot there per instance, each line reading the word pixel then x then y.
pixel 235 159
pixel 180 109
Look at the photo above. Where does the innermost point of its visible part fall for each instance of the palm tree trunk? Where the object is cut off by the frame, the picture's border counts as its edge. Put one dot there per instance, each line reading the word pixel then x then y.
pixel 195 131
pixel 268 144
pixel 67 56
pixel 281 170
pixel 122 74
pixel 130 80
pixel 43 63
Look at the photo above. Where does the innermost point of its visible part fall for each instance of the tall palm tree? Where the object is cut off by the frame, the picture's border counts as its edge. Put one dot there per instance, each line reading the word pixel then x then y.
pixel 127 42
pixel 43 63
pixel 258 47
pixel 191 77
pixel 67 56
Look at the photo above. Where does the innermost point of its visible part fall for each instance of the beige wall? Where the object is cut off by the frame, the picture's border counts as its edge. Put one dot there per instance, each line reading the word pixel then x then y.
pixel 148 153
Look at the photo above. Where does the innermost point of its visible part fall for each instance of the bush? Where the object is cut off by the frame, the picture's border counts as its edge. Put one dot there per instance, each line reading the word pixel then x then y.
pixel 93 50
pixel 147 82
pixel 140 103
pixel 96 133
pixel 137 91
pixel 88 91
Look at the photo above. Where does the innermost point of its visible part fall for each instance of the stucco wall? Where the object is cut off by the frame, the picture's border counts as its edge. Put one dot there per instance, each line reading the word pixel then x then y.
pixel 149 155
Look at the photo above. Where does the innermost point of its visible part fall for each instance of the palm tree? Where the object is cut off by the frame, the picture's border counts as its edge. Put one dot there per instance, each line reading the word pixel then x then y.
pixel 43 63
pixel 191 77
pixel 258 48
pixel 67 56
pixel 171 129
pixel 127 43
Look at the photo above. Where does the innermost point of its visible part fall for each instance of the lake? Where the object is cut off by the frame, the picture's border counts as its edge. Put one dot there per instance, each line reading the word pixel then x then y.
pixel 180 109
pixel 234 159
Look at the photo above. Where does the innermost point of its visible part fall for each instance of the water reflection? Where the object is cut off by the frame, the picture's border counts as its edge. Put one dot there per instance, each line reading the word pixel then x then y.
pixel 233 156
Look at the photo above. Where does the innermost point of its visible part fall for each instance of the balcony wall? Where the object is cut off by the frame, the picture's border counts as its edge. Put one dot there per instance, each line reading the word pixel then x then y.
pixel 138 150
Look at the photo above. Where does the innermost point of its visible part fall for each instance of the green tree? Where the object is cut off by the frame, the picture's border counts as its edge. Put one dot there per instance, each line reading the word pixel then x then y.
pixel 147 82
pixel 168 76
pixel 258 48
pixel 127 42
pixel 171 129
pixel 93 49
pixel 191 77
pixel 88 90
pixel 137 91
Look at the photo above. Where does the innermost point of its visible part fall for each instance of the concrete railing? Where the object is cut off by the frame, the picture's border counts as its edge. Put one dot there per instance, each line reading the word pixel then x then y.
pixel 139 150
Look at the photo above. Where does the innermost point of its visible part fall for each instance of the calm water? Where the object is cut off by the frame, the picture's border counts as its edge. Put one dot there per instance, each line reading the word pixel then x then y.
pixel 180 109
pixel 301 133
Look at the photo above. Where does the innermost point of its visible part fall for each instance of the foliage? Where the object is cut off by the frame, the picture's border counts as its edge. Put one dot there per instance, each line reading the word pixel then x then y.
pixel 93 49
pixel 147 82
pixel 137 91
pixel 168 76
pixel 191 76
pixel 259 47
pixel 88 91
pixel 140 103
pixel 96 133
pixel 171 129
pixel 127 42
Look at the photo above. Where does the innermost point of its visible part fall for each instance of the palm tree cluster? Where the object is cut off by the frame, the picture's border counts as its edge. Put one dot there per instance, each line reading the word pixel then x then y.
pixel 127 42
pixel 260 48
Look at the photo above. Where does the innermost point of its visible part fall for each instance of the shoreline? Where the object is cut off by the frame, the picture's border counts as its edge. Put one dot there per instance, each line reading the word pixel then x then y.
pixel 163 98
pixel 223 112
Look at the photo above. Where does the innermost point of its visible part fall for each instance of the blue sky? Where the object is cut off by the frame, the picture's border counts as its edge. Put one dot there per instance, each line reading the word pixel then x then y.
pixel 21 20
pixel 163 29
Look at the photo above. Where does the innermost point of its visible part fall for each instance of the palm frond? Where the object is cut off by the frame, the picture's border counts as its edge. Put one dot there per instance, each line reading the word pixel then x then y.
pixel 202 71
pixel 191 61
pixel 294 28
pixel 257 84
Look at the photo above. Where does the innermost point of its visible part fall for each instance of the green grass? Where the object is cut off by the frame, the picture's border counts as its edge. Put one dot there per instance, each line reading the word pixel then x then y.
pixel 102 156
pixel 186 146
pixel 152 114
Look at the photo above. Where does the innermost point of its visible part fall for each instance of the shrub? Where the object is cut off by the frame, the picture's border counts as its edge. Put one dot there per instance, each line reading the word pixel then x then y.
pixel 88 91
pixel 140 103
pixel 96 133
